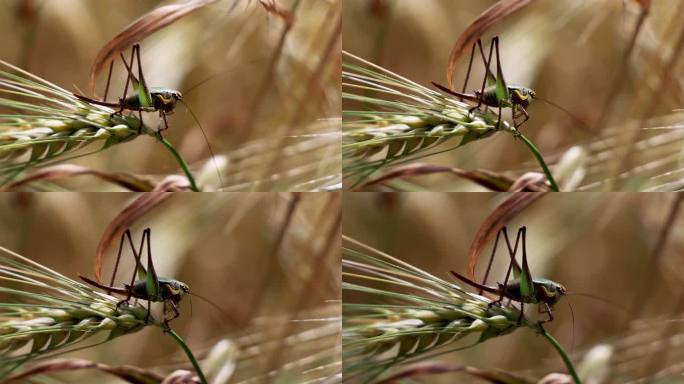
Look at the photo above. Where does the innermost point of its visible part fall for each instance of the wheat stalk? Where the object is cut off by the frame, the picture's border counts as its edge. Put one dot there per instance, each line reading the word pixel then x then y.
pixel 409 315
pixel 45 122
pixel 42 312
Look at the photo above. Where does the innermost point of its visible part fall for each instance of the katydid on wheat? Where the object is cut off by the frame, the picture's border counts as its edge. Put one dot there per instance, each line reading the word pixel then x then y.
pixel 148 286
pixel 523 288
pixel 146 99
pixel 495 92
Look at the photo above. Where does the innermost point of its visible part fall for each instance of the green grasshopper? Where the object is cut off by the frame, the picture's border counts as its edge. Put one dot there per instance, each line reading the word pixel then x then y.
pixel 494 91
pixel 148 286
pixel 523 288
pixel 144 98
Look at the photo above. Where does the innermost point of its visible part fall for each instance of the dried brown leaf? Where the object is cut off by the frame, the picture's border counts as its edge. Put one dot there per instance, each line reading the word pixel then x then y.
pixel 435 367
pixel 490 180
pixel 123 220
pixel 125 180
pixel 128 373
pixel 144 26
pixel 486 20
pixel 181 377
pixel 502 214
pixel 556 378
pixel 273 7
pixel 530 182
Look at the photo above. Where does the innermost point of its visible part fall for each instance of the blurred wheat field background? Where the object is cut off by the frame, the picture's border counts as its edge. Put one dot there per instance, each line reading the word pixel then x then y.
pixel 615 65
pixel 622 248
pixel 262 78
pixel 269 261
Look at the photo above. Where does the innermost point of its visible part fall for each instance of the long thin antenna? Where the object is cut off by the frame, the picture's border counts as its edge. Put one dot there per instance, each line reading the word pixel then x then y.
pixel 206 139
pixel 584 127
pixel 216 306
pixel 601 299
pixel 572 317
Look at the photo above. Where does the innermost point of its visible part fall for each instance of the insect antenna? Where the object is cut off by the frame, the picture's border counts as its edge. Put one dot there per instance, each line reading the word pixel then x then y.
pixel 216 306
pixel 584 127
pixel 572 337
pixel 190 306
pixel 206 139
pixel 601 299
pixel 220 73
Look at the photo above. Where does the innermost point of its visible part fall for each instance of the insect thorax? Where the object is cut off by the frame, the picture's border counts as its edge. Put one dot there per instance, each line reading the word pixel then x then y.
pixel 162 99
pixel 169 289
pixel 545 291
pixel 517 95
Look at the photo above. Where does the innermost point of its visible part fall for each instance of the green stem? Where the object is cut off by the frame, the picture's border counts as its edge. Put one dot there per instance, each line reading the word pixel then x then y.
pixel 182 163
pixel 561 352
pixel 188 352
pixel 540 159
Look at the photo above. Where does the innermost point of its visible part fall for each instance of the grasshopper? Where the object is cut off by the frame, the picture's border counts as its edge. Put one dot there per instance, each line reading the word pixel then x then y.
pixel 523 288
pixel 144 98
pixel 148 286
pixel 494 91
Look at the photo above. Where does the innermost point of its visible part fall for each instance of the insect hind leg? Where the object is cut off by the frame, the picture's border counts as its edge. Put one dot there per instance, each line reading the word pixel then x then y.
pixel 486 62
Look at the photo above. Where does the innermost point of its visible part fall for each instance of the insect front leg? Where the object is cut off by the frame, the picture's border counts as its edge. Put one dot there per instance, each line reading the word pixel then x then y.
pixel 170 304
pixel 524 112
pixel 162 115
pixel 546 309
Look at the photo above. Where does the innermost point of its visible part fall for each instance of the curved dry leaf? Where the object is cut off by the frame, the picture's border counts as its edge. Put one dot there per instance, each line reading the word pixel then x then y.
pixel 491 16
pixel 125 180
pixel 124 220
pixel 506 211
pixel 273 7
pixel 144 26
pixel 490 180
pixel 530 182
pixel 494 376
pixel 181 377
pixel 556 378
pixel 131 374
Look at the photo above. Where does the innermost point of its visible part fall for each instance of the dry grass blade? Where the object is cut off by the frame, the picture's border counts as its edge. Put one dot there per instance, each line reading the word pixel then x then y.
pixel 128 373
pixel 139 29
pixel 42 312
pixel 506 211
pixel 491 16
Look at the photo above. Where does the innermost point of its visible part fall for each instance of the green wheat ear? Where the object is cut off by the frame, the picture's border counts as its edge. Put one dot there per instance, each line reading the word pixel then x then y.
pixel 40 121
pixel 400 119
pixel 43 312
pixel 408 314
